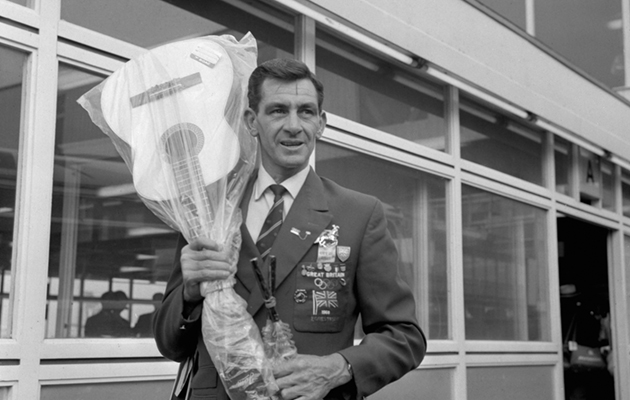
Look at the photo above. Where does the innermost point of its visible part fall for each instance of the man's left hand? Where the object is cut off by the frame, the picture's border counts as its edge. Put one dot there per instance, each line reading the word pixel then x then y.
pixel 309 377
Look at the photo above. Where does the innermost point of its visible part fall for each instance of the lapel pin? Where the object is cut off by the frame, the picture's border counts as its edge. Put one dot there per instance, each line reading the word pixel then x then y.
pixel 299 234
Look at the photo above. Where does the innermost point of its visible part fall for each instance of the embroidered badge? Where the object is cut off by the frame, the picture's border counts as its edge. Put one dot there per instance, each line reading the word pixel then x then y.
pixel 324 299
pixel 300 296
pixel 343 253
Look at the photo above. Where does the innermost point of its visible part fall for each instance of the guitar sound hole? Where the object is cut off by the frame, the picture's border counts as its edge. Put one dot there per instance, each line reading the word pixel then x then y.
pixel 182 142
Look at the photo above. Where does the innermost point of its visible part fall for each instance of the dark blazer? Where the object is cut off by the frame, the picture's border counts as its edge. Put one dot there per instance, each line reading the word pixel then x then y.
pixel 370 286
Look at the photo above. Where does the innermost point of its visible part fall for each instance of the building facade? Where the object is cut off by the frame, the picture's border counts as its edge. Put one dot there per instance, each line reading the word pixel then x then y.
pixel 497 135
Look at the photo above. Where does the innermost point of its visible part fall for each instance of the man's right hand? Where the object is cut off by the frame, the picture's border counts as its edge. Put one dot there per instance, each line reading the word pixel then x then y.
pixel 203 260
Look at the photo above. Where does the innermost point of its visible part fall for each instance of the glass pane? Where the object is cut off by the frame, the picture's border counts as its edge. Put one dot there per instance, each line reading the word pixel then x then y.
pixel 562 161
pixel 148 23
pixel 590 177
pixel 513 10
pixel 22 2
pixel 625 192
pixel 109 254
pixel 522 383
pixel 608 185
pixel 419 384
pixel 626 241
pixel 360 89
pixel 107 391
pixel 588 33
pixel 414 204
pixel 495 141
pixel 505 268
pixel 10 104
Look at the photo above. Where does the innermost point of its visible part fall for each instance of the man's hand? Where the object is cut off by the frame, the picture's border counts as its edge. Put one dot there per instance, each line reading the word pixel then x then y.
pixel 311 377
pixel 203 260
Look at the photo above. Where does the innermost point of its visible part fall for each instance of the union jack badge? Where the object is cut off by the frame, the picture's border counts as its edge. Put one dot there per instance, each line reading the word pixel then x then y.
pixel 343 253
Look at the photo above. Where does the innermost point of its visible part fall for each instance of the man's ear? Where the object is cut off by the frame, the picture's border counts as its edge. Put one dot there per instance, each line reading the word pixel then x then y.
pixel 322 124
pixel 250 121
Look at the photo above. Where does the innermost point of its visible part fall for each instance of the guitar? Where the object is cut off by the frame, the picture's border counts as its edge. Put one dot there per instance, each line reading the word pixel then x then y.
pixel 169 107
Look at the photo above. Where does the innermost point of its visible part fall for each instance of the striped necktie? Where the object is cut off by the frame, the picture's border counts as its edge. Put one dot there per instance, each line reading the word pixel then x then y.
pixel 273 222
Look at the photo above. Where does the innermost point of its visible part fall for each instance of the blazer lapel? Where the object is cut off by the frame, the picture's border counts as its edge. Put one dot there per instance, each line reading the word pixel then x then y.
pixel 308 217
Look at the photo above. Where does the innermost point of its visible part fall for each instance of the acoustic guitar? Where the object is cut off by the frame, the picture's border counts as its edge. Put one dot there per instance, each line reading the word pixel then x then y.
pixel 169 106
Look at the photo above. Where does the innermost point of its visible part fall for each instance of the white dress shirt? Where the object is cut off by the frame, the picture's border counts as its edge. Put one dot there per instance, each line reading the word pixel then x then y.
pixel 262 199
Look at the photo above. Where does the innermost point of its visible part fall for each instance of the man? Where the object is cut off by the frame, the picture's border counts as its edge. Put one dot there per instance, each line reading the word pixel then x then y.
pixel 108 322
pixel 335 260
pixel 144 325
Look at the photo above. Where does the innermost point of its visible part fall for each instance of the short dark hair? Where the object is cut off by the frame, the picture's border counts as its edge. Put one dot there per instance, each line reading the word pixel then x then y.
pixel 283 69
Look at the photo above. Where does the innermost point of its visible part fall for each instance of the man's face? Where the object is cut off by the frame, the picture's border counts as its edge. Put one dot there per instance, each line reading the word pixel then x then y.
pixel 287 124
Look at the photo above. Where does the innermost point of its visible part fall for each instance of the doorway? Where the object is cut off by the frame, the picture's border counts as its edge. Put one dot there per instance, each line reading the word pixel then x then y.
pixel 584 304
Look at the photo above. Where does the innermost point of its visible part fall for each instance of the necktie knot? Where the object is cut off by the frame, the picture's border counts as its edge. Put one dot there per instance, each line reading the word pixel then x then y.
pixel 278 191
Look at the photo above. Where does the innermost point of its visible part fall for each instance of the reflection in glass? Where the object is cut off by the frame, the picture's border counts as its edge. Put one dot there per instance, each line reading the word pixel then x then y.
pixel 513 10
pixel 362 90
pixel 415 208
pixel 588 33
pixel 10 104
pixel 148 23
pixel 625 193
pixel 590 177
pixel 109 254
pixel 22 2
pixel 562 162
pixel 608 185
pixel 495 141
pixel 505 268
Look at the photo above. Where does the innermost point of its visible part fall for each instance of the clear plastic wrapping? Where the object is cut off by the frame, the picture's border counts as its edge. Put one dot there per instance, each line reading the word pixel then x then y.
pixel 175 115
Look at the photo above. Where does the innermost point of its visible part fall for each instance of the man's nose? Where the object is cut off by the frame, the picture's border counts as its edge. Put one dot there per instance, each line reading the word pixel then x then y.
pixel 294 124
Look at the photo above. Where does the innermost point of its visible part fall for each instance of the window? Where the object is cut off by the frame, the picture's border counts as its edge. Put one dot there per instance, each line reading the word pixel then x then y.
pixel 362 89
pixel 10 104
pixel 22 2
pixel 608 185
pixel 505 268
pixel 415 209
pixel 625 192
pixel 626 244
pixel 562 162
pixel 498 142
pixel 588 34
pixel 514 10
pixel 148 23
pixel 109 255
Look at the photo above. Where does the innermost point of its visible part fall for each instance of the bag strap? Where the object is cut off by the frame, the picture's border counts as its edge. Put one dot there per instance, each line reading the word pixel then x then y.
pixel 184 378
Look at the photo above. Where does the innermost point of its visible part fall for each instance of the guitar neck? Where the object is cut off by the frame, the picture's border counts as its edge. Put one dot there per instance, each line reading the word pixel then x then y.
pixel 193 196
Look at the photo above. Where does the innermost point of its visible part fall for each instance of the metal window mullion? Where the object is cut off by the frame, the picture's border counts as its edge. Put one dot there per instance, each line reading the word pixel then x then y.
pixel 625 17
pixel 617 282
pixel 455 261
pixel 33 200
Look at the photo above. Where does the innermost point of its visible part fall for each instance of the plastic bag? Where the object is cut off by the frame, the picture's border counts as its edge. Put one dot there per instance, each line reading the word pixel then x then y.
pixel 175 115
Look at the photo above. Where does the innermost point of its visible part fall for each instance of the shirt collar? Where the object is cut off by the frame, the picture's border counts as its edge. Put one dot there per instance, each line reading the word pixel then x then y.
pixel 292 184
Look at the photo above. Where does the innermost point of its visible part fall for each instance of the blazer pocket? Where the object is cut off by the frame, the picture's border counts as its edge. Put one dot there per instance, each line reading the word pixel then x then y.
pixel 321 297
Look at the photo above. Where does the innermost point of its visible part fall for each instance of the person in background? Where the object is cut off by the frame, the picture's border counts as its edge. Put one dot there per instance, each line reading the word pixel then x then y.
pixel 336 261
pixel 144 325
pixel 108 322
